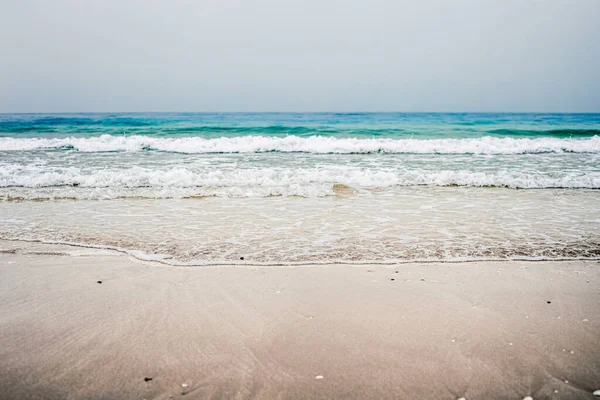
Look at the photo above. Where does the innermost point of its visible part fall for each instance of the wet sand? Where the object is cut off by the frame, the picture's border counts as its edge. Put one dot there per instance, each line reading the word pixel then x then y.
pixel 486 330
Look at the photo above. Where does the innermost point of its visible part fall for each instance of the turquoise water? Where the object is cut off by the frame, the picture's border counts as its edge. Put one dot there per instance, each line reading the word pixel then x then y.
pixel 174 155
pixel 305 188
pixel 359 125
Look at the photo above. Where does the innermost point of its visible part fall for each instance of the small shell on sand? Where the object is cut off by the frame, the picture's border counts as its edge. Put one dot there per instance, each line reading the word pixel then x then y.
pixel 319 377
pixel 184 385
pixel 527 398
pixel 596 393
pixel 462 398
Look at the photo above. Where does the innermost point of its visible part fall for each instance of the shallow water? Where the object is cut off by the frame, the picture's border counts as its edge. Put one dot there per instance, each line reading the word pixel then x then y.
pixel 404 224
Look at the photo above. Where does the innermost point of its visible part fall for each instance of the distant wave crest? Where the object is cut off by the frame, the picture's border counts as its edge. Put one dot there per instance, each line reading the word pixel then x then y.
pixel 312 144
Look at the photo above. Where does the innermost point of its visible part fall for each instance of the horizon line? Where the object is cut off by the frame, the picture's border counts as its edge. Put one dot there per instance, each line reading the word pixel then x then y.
pixel 299 112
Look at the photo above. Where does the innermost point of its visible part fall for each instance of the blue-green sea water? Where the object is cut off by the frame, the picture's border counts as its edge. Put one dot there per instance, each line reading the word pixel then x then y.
pixel 103 156
pixel 339 125
pixel 305 187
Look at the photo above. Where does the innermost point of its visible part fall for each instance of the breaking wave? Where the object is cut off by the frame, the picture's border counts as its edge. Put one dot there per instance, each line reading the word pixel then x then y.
pixel 180 182
pixel 312 144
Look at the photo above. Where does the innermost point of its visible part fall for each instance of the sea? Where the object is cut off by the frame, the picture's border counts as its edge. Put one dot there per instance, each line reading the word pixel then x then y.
pixel 285 189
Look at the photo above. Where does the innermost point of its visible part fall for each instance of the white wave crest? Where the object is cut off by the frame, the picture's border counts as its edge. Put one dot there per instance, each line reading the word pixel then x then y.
pixel 314 144
pixel 38 182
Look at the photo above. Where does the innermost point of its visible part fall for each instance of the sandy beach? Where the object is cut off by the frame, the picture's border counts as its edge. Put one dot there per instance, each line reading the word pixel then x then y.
pixel 300 200
pixel 481 330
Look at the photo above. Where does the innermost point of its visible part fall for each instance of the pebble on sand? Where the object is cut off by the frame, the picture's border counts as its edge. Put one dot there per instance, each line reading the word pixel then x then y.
pixel 147 379
pixel 319 377
pixel 99 281
pixel 596 393
pixel 184 385
pixel 527 398
pixel 549 302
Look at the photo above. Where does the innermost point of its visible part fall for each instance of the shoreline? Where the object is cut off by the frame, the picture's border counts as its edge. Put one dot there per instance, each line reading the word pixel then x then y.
pixel 440 330
pixel 164 259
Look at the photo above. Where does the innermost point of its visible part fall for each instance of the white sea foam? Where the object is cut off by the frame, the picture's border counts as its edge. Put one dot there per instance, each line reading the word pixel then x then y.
pixel 33 181
pixel 394 225
pixel 314 144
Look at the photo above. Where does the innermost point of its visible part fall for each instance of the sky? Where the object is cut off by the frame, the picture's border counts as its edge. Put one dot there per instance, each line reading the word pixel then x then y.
pixel 299 55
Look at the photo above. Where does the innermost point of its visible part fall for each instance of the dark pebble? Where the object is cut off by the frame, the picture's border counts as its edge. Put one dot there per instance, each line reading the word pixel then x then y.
pixel 396 271
pixel 422 279
pixel 147 379
pixel 99 281
pixel 241 258
pixel 548 302
pixel 392 279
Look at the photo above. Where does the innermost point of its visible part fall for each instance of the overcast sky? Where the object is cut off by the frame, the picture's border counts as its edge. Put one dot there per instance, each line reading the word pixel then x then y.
pixel 304 55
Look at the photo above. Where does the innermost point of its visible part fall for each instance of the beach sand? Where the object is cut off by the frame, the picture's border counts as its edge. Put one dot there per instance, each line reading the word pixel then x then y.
pixel 481 330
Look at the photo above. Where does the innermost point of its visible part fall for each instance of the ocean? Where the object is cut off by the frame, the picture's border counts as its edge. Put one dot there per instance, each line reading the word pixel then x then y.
pixel 305 188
